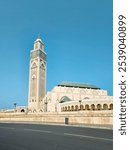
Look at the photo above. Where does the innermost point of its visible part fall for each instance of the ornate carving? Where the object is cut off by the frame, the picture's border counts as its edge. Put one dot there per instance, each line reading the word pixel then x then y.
pixel 38 53
pixel 34 65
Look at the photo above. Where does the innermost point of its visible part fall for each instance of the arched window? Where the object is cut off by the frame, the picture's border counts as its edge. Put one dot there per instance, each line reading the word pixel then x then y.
pixel 34 65
pixel 86 107
pixel 68 108
pixel 81 107
pixel 41 110
pixel 72 108
pixel 42 66
pixel 111 106
pixel 99 107
pixel 22 110
pixel 92 107
pixel 105 107
pixel 34 110
pixel 76 108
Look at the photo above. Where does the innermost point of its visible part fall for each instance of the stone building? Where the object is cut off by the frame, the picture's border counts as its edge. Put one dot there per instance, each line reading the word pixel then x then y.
pixel 66 96
pixel 69 96
pixel 37 76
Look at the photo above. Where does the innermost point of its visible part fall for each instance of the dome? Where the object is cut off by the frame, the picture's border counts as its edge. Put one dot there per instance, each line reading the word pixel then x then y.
pixel 65 99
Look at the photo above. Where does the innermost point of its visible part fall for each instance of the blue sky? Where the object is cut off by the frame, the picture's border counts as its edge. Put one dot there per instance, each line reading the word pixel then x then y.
pixel 77 36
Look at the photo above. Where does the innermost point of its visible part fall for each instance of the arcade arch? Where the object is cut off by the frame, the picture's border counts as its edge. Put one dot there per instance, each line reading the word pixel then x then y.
pixel 87 107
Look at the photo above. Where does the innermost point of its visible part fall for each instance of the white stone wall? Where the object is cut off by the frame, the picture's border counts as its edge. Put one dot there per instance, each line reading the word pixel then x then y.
pixel 85 118
pixel 91 96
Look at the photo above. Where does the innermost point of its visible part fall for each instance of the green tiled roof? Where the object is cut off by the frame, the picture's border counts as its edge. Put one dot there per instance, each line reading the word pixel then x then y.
pixel 80 85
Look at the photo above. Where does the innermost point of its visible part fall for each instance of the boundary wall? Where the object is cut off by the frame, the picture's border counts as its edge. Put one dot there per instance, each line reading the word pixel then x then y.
pixel 99 118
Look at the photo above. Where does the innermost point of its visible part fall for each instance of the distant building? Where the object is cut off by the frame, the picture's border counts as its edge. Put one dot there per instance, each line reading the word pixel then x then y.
pixel 37 76
pixel 66 96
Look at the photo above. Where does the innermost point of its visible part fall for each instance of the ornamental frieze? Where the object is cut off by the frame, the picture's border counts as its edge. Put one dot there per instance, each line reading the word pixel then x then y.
pixel 38 53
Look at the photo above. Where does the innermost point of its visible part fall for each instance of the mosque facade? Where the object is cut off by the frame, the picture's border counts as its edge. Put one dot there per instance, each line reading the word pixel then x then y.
pixel 64 97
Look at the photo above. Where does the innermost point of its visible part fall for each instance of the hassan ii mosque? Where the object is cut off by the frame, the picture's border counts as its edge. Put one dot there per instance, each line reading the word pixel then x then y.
pixel 64 97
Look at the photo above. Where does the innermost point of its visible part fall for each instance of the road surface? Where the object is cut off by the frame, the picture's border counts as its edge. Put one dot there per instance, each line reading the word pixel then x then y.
pixel 52 137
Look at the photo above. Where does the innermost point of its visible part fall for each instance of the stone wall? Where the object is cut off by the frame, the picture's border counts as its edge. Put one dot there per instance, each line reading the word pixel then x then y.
pixel 79 118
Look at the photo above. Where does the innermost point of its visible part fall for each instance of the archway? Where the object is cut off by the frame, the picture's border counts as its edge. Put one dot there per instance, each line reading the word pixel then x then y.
pixel 111 106
pixel 34 110
pixel 68 108
pixel 86 107
pixel 99 107
pixel 41 110
pixel 81 107
pixel 105 107
pixel 72 108
pixel 22 110
pixel 76 107
pixel 92 107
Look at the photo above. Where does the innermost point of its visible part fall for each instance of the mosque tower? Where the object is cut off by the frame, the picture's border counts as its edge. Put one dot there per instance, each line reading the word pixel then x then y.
pixel 37 76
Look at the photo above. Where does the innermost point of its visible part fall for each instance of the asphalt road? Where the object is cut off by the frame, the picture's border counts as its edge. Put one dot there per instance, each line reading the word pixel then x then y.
pixel 50 137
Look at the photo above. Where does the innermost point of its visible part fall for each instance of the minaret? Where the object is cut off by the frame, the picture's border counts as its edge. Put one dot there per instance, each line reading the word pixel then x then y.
pixel 37 76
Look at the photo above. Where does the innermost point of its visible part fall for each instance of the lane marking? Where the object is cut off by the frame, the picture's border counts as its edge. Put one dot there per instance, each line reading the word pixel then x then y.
pixel 6 128
pixel 44 131
pixel 68 134
pixel 90 137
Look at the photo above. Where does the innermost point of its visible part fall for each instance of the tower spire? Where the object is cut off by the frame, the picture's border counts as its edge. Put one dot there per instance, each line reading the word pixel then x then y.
pixel 39 36
pixel 38 44
pixel 37 76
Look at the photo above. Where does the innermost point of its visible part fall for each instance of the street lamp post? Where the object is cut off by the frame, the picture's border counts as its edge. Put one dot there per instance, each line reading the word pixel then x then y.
pixel 80 104
pixel 46 104
pixel 15 104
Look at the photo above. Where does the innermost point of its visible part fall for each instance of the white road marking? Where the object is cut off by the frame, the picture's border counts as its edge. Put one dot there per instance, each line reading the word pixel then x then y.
pixel 6 128
pixel 90 137
pixel 68 134
pixel 38 130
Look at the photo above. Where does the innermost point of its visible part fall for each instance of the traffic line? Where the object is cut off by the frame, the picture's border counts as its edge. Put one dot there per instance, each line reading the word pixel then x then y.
pixel 90 137
pixel 43 131
pixel 7 128
pixel 68 134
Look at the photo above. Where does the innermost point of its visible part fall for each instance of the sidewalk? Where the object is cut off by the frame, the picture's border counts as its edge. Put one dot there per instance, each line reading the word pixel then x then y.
pixel 109 127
